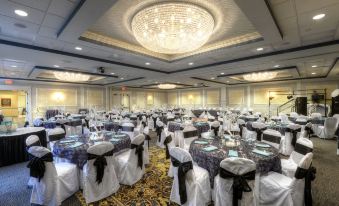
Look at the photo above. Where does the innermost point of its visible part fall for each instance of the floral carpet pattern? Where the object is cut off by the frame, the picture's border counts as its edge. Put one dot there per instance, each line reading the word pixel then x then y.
pixel 152 190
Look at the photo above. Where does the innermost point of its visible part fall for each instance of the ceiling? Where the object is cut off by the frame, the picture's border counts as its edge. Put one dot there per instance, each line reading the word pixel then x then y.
pixel 32 47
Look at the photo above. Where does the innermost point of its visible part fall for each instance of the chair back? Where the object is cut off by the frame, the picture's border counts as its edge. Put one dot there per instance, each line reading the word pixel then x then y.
pixel 316 115
pixel 272 138
pixel 32 140
pixel 302 147
pixel 330 126
pixel 137 152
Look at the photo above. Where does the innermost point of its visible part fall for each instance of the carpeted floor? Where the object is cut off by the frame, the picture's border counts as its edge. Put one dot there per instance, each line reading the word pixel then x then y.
pixel 154 188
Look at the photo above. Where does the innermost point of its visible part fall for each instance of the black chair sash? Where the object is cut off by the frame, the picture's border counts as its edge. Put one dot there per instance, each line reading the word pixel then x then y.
pixel 211 120
pixel 133 118
pixel 155 121
pixel 302 149
pixel 259 132
pixel 309 175
pixel 37 165
pixel 100 163
pixel 143 124
pixel 249 126
pixel 271 138
pixel 56 137
pixel 309 131
pixel 215 130
pixel 189 134
pixel 294 133
pixel 240 184
pixel 127 128
pixel 147 138
pixel 159 130
pixel 37 143
pixel 74 123
pixel 166 142
pixel 139 151
pixel 241 127
pixel 183 168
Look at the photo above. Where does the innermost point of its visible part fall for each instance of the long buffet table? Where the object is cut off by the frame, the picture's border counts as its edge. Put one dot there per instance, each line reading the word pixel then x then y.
pixel 13 145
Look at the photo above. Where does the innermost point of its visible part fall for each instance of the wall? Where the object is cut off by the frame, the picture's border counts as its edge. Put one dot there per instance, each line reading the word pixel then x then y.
pixel 11 111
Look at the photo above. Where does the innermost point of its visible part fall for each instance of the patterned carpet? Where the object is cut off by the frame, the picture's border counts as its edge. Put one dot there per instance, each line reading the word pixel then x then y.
pixel 153 189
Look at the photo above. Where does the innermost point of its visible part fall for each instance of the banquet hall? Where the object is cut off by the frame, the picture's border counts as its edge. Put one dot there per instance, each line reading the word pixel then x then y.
pixel 169 102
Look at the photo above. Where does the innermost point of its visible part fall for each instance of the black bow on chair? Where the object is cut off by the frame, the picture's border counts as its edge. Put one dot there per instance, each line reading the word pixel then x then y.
pixel 166 142
pixel 147 138
pixel 259 132
pixel 143 124
pixel 240 184
pixel 294 135
pixel 37 165
pixel 159 130
pixel 139 151
pixel 309 131
pixel 183 168
pixel 100 163
pixel 309 175
pixel 241 127
pixel 216 130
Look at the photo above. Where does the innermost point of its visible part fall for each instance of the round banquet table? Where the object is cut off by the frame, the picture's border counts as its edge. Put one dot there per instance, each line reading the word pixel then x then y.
pixel 201 127
pixel 13 144
pixel 210 160
pixel 74 149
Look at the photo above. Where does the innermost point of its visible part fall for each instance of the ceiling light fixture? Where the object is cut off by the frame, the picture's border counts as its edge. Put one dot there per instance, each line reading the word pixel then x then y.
pixel 71 76
pixel 121 78
pixel 57 66
pixel 167 86
pixel 276 66
pixel 112 73
pixel 14 66
pixel 78 48
pixel 212 77
pixel 318 16
pixel 260 76
pixel 191 63
pixel 20 13
pixel 260 49
pixel 314 66
pixel 147 63
pixel 313 73
pixel 222 73
pixel 172 27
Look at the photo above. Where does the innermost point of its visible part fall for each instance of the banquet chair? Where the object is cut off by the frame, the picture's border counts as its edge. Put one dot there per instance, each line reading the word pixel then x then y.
pixel 231 169
pixel 73 128
pixel 328 130
pixel 190 133
pixel 241 123
pixel 250 132
pixel 290 139
pixel 52 183
pixel 32 140
pixel 146 145
pixel 130 164
pixel 128 128
pixel 54 135
pixel 284 118
pixel 258 128
pixel 161 133
pixel 315 127
pixel 302 147
pixel 169 143
pixel 275 189
pixel 272 137
pixel 191 185
pixel 99 177
pixel 215 128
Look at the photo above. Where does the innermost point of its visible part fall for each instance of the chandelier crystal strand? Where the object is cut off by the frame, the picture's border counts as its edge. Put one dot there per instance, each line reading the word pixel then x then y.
pixel 260 76
pixel 71 76
pixel 172 28
pixel 167 86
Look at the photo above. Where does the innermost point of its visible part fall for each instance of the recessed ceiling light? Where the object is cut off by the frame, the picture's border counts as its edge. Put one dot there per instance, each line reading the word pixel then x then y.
pixel 156 82
pixel 57 66
pixel 112 73
pixel 227 81
pixel 318 16
pixel 314 66
pixel 191 63
pixel 147 63
pixel 276 66
pixel 121 78
pixel 260 49
pixel 78 48
pixel 20 12
pixel 222 73
pixel 178 82
pixel 13 66
pixel 313 73
pixel 212 77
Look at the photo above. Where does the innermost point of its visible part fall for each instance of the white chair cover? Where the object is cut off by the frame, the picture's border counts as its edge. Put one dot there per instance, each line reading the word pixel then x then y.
pixel 185 142
pixel 129 172
pixel 128 132
pixel 272 137
pixel 198 189
pixel 223 191
pixel 276 189
pixel 146 145
pixel 289 166
pixel 328 130
pixel 32 140
pixel 59 182
pixel 92 189
pixel 286 144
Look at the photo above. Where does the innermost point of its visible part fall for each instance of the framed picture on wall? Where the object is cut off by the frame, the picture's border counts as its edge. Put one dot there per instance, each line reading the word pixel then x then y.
pixel 6 102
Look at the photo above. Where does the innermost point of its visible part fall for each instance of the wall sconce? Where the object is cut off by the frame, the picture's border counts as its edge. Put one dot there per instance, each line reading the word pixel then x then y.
pixel 58 96
pixel 190 97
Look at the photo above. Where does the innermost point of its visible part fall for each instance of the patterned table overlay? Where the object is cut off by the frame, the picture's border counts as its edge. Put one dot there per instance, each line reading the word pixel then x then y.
pixel 78 155
pixel 211 160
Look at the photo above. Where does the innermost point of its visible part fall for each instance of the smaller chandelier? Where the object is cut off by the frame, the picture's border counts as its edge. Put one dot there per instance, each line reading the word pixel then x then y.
pixel 260 76
pixel 167 86
pixel 71 76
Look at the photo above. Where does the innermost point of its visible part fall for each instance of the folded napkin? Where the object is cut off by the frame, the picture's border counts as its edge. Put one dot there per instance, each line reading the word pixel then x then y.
pixel 67 141
pixel 200 142
pixel 210 148
pixel 232 153
pixel 262 145
pixel 77 144
pixel 261 152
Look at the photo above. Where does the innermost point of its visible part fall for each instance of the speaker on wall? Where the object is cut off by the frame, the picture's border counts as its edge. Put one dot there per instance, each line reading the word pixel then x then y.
pixel 301 105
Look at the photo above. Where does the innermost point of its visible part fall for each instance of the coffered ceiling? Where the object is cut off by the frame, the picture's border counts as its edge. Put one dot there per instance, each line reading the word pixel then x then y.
pixel 292 42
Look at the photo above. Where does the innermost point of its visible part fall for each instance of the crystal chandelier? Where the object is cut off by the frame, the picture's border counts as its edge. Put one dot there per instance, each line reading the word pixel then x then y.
pixel 167 86
pixel 260 76
pixel 71 76
pixel 172 28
